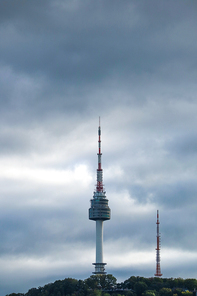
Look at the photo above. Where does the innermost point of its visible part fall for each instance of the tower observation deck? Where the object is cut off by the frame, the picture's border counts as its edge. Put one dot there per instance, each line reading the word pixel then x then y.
pixel 99 211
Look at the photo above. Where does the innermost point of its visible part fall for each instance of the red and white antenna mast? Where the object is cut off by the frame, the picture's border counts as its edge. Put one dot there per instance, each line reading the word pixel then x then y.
pixel 99 186
pixel 158 269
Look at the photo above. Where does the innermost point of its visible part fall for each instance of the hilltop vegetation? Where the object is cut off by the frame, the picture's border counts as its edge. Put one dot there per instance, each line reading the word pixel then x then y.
pixel 107 285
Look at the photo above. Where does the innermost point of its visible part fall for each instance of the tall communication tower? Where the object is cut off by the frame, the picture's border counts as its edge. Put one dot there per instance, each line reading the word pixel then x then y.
pixel 99 211
pixel 158 269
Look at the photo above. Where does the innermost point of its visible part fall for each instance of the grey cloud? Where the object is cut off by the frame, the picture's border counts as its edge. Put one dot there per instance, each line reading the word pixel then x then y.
pixel 183 145
pixel 87 48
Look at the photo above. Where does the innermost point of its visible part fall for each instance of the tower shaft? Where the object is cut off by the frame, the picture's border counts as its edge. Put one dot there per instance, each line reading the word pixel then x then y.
pixel 158 269
pixel 99 241
pixel 99 211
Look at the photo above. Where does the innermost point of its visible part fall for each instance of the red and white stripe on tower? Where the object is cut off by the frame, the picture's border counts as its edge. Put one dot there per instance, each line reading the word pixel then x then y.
pixel 99 186
pixel 158 269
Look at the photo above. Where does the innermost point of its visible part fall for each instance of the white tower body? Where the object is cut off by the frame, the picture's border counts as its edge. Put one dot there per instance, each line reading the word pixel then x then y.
pixel 99 212
pixel 99 241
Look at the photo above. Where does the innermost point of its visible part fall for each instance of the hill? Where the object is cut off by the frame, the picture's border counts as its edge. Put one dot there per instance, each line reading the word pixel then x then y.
pixel 106 285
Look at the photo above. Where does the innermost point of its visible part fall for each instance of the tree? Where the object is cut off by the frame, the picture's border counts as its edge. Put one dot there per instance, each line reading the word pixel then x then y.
pixel 129 283
pixel 157 283
pixel 95 293
pixel 177 291
pixel 187 293
pixel 140 287
pixel 149 293
pixel 107 281
pixel 93 282
pixel 191 284
pixel 179 283
pixel 32 292
pixel 16 294
pixel 165 292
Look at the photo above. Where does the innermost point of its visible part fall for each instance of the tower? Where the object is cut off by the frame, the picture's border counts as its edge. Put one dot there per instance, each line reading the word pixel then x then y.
pixel 158 269
pixel 99 211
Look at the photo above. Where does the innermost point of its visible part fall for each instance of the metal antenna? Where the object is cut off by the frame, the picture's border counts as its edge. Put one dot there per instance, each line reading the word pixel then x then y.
pixel 158 269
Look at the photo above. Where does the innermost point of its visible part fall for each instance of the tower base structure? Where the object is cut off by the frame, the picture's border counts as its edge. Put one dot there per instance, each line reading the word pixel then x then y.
pixel 158 270
pixel 99 268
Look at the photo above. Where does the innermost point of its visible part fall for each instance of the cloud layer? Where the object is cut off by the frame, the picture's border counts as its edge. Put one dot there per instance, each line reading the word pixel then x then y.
pixel 63 64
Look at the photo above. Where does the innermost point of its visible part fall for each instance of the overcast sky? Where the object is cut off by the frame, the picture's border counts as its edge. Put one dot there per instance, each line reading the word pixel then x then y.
pixel 63 64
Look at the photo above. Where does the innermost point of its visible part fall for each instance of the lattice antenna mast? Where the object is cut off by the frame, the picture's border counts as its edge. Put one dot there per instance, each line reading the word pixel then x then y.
pixel 158 269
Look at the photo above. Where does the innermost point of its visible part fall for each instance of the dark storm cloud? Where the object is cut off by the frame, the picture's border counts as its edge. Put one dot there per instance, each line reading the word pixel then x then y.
pixel 92 41
pixel 74 50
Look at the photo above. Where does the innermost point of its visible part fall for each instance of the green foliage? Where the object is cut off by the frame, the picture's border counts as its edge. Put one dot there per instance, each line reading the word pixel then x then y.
pixel 156 283
pixel 179 282
pixel 140 287
pixel 16 294
pixel 93 282
pixel 150 293
pixel 95 293
pixel 187 293
pixel 107 281
pixel 177 292
pixel 191 284
pixel 106 294
pixel 165 292
pixel 104 281
pixel 105 285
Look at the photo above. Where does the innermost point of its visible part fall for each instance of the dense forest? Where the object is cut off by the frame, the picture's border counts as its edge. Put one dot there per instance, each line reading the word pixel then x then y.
pixel 106 285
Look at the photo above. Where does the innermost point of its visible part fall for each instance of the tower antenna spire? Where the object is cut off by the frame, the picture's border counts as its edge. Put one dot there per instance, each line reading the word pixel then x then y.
pixel 99 186
pixel 158 269
pixel 99 211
